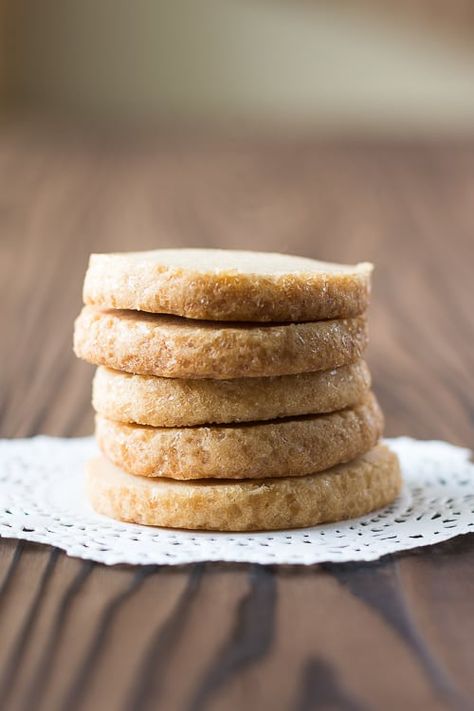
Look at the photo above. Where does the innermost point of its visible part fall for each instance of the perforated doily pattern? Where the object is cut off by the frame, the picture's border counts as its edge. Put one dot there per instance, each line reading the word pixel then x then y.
pixel 42 500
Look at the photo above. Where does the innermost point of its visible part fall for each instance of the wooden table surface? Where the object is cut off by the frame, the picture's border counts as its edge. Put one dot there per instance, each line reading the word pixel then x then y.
pixel 394 634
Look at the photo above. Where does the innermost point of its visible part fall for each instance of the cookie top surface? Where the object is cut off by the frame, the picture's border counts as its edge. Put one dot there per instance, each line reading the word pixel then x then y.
pixel 229 285
pixel 230 261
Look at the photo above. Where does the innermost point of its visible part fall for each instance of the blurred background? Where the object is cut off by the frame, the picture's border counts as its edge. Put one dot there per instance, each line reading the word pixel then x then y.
pixel 357 66
pixel 341 131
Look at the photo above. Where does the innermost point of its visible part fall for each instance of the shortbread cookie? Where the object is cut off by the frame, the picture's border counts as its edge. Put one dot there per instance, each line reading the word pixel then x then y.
pixel 176 402
pixel 345 491
pixel 169 346
pixel 291 447
pixel 227 285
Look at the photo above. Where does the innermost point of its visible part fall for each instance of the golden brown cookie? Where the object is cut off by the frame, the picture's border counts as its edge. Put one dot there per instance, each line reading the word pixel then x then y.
pixel 345 491
pixel 173 347
pixel 176 402
pixel 291 447
pixel 227 285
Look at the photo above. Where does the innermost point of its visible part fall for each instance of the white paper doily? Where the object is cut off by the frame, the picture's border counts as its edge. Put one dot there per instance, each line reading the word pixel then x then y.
pixel 42 500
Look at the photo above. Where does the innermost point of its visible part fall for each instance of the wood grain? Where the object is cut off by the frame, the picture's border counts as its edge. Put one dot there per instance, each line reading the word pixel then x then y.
pixel 392 634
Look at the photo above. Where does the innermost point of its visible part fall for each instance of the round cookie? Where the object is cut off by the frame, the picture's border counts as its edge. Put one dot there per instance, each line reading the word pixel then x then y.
pixel 150 344
pixel 227 285
pixel 176 402
pixel 292 447
pixel 345 491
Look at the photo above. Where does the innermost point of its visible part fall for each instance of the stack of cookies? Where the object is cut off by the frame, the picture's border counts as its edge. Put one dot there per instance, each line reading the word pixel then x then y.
pixel 231 393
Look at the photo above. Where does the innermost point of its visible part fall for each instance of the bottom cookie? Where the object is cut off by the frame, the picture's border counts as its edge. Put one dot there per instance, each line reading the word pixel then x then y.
pixel 345 491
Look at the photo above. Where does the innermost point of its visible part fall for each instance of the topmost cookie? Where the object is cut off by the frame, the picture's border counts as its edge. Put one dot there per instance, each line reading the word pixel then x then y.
pixel 227 285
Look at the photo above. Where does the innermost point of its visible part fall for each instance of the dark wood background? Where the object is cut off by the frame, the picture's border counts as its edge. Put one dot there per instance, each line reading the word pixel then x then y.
pixel 387 635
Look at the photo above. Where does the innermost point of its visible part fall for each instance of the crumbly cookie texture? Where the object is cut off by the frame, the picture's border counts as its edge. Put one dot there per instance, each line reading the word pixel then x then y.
pixel 228 285
pixel 292 447
pixel 345 491
pixel 150 344
pixel 177 402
